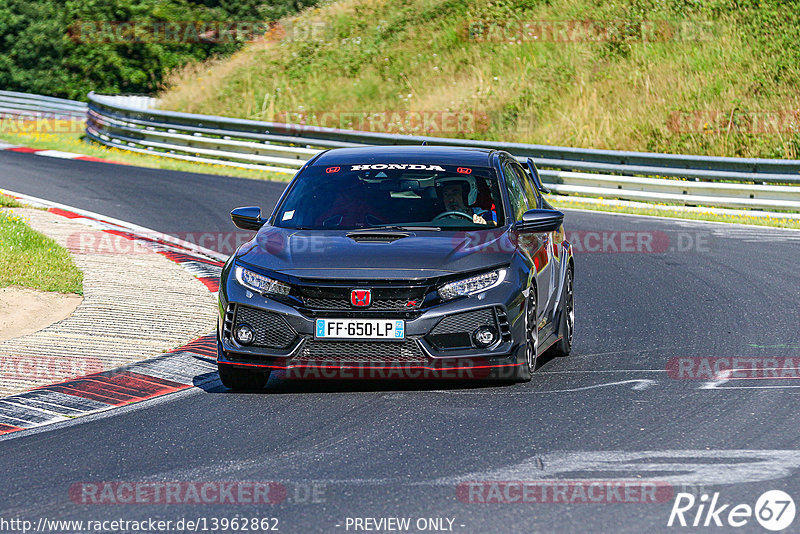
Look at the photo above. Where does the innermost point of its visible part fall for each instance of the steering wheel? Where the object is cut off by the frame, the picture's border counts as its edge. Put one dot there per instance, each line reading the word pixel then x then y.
pixel 451 214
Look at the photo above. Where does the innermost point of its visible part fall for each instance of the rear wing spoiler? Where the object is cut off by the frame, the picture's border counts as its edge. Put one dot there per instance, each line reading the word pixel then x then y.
pixel 537 180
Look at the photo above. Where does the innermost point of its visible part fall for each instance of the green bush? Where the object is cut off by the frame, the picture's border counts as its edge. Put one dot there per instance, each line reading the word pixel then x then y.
pixel 41 50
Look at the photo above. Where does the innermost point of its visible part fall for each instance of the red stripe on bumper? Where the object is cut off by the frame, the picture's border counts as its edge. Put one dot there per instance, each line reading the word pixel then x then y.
pixel 390 367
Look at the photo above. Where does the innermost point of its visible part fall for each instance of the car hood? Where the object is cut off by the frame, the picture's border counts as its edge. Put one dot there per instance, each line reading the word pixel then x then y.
pixel 332 254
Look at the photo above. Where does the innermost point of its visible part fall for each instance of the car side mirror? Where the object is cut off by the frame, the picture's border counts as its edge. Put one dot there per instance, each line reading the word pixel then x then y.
pixel 248 218
pixel 539 220
pixel 537 180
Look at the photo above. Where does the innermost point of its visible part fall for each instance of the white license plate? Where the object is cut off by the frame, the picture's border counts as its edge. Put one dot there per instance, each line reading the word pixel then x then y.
pixel 384 329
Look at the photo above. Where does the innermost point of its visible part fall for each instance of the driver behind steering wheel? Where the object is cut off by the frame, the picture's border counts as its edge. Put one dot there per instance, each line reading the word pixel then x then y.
pixel 458 193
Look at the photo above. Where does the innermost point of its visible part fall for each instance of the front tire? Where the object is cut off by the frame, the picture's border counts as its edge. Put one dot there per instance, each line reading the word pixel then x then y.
pixel 567 323
pixel 525 371
pixel 241 379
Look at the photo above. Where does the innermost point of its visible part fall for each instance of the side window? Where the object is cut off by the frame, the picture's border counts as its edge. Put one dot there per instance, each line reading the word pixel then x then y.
pixel 530 189
pixel 516 191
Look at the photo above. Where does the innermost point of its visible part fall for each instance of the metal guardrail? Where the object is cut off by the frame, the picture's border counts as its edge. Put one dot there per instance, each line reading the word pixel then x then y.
pixel 770 184
pixel 37 106
pixel 131 122
pixel 134 101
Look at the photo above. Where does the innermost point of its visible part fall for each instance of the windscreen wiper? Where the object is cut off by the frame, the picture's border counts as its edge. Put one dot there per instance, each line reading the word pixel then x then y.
pixel 396 227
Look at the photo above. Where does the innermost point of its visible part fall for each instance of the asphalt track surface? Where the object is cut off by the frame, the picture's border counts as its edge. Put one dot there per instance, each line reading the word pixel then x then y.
pixel 399 448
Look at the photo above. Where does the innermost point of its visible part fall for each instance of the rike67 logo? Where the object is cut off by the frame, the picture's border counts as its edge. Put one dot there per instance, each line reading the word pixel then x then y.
pixel 774 510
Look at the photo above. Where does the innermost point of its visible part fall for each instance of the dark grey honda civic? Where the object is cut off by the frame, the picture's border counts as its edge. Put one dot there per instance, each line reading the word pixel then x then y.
pixel 398 262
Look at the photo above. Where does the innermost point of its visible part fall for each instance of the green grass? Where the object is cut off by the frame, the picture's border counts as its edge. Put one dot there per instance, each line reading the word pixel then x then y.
pixel 8 202
pixel 73 142
pixel 387 55
pixel 562 202
pixel 30 259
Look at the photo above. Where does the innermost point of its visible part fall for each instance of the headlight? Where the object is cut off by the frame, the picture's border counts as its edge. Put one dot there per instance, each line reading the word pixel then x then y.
pixel 260 283
pixel 473 284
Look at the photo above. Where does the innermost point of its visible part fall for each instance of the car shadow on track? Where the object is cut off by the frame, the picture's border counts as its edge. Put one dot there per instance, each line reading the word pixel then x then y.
pixel 285 386
pixel 295 386
pixel 544 359
pixel 283 383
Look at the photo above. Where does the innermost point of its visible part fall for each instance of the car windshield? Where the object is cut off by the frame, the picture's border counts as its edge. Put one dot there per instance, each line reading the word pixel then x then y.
pixel 352 197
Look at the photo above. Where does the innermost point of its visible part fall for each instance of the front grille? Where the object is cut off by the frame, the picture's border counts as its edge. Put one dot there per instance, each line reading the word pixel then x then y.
pixel 387 295
pixel 362 351
pixel 464 322
pixel 455 331
pixel 375 305
pixel 272 331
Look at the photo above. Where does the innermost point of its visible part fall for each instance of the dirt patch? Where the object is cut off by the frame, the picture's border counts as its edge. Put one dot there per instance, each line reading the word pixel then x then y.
pixel 25 311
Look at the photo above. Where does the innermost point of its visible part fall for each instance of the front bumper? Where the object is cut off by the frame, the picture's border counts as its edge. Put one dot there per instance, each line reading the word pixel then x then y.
pixel 438 337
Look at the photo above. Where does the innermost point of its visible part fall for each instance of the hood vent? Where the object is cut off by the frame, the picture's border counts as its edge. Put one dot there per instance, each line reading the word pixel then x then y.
pixel 376 237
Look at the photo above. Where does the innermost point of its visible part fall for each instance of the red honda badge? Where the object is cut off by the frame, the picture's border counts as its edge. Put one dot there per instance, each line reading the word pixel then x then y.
pixel 361 297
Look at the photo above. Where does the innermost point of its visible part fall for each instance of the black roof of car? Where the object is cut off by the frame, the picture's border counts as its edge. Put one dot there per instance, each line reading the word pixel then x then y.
pixel 442 155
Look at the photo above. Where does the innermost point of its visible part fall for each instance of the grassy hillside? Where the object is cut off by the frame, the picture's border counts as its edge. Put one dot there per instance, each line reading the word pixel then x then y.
pixel 729 60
